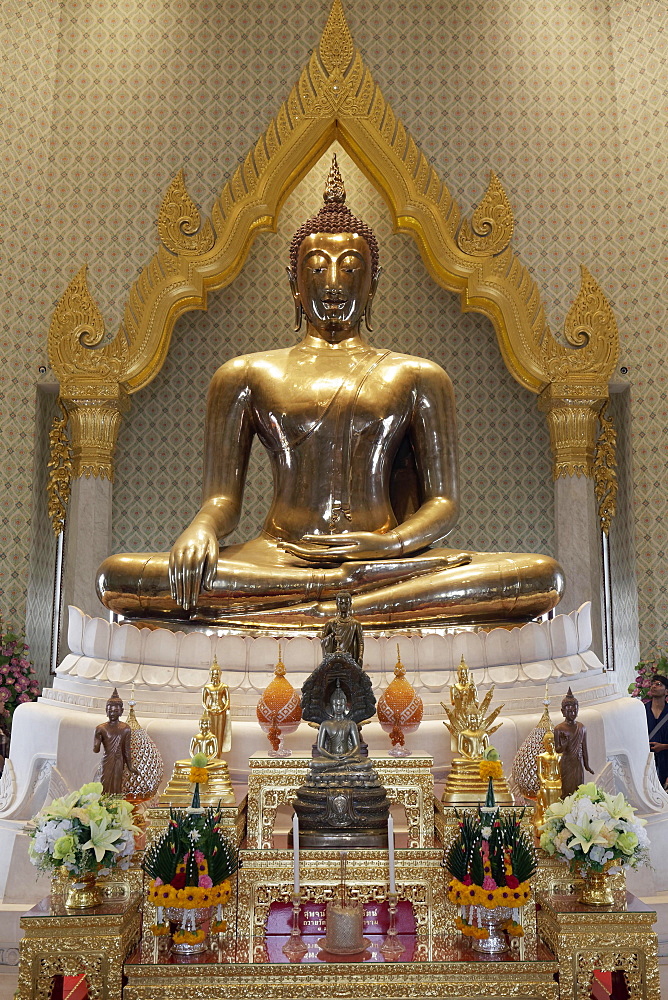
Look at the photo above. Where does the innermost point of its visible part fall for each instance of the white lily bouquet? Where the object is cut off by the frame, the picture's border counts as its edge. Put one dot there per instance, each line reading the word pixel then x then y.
pixel 85 832
pixel 595 831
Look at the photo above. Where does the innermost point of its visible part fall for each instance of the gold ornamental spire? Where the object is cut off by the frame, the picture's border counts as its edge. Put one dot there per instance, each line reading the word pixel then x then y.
pixel 335 191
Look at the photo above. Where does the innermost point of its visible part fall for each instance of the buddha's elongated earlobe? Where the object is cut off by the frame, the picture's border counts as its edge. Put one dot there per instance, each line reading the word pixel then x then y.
pixel 369 301
pixel 299 312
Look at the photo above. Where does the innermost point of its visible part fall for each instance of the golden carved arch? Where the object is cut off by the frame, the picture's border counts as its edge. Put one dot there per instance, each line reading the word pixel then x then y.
pixel 335 98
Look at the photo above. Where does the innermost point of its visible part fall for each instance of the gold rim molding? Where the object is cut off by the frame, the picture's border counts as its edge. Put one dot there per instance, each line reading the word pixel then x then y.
pixel 336 98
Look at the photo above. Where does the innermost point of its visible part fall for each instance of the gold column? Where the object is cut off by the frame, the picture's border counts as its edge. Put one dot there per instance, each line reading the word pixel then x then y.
pixel 95 419
pixel 572 410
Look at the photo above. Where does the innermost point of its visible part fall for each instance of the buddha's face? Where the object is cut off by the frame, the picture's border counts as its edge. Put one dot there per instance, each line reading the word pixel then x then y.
pixel 548 741
pixel 569 710
pixel 334 282
pixel 344 604
pixel 114 710
pixel 339 704
pixel 204 727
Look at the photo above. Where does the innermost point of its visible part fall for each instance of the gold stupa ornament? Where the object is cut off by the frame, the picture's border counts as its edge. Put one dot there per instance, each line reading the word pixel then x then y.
pixel 399 710
pixel 279 710
pixel 146 759
pixel 525 766
pixel 470 728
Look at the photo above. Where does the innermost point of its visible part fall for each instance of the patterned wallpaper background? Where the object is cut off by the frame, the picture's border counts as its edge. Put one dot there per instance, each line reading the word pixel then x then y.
pixel 103 100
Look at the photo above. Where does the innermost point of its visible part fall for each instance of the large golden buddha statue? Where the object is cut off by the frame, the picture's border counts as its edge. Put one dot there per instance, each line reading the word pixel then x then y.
pixel 363 449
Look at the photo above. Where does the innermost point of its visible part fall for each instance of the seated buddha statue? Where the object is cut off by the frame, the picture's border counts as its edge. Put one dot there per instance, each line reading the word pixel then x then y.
pixel 362 443
pixel 342 802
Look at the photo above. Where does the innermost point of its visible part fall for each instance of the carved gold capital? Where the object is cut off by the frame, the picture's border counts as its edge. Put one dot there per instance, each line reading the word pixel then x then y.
pixel 95 411
pixel 572 410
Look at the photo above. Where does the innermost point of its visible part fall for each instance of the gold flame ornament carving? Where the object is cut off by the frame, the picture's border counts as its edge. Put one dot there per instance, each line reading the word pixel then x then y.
pixel 491 227
pixel 75 335
pixel 605 477
pixel 59 471
pixel 180 224
pixel 591 329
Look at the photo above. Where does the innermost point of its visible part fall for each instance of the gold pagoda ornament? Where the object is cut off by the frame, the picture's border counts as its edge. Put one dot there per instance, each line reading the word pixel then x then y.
pixel 470 728
pixel 279 710
pixel 399 710
pixel 525 766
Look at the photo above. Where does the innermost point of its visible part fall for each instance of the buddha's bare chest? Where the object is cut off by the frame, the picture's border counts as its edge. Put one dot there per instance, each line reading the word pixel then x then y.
pixel 328 406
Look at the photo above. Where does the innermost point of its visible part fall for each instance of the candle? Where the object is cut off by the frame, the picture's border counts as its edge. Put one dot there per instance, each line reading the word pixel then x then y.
pixel 295 846
pixel 390 852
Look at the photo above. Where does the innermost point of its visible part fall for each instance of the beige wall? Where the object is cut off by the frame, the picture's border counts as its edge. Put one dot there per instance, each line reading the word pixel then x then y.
pixel 565 101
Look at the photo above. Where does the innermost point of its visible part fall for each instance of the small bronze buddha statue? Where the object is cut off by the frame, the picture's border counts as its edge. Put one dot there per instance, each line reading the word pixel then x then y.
pixel 343 632
pixel 363 447
pixel 570 742
pixel 342 803
pixel 114 738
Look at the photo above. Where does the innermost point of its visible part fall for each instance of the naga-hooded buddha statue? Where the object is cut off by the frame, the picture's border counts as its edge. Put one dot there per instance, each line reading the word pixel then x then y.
pixel 363 448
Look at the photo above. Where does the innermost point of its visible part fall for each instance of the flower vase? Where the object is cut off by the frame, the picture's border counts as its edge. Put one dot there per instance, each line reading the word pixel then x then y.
pixel 493 921
pixel 596 889
pixel 82 892
pixel 190 923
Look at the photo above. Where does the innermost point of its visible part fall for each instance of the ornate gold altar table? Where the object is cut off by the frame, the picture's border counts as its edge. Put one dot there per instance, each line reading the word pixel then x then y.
pixel 606 938
pixel 94 943
pixel 275 780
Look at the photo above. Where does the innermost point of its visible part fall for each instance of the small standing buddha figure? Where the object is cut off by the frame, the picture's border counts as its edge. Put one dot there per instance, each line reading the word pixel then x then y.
pixel 113 737
pixel 549 778
pixel 216 701
pixel 343 633
pixel 570 742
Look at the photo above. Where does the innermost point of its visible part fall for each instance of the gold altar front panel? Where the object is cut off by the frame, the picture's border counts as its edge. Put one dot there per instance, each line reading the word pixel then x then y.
pixel 273 781
pixel 448 972
pixel 266 876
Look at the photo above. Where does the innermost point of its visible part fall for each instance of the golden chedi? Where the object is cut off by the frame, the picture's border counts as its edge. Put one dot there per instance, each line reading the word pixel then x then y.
pixel 279 710
pixel 470 728
pixel 399 709
pixel 362 443
pixel 217 787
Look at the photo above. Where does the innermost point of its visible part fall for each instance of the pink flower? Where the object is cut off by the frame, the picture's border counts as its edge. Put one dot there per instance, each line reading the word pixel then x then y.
pixel 205 882
pixel 199 857
pixel 23 698
pixel 158 881
pixel 488 882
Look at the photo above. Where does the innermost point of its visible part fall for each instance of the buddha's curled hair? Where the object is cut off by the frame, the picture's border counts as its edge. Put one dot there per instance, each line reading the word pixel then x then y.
pixel 334 217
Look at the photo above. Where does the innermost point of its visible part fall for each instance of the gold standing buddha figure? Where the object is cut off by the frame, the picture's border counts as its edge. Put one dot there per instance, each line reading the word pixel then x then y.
pixel 363 447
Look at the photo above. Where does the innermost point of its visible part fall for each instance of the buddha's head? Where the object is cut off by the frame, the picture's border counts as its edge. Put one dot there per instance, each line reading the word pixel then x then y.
pixel 333 267
pixel 338 702
pixel 548 741
pixel 214 672
pixel 569 706
pixel 344 603
pixel 114 707
pixel 204 725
